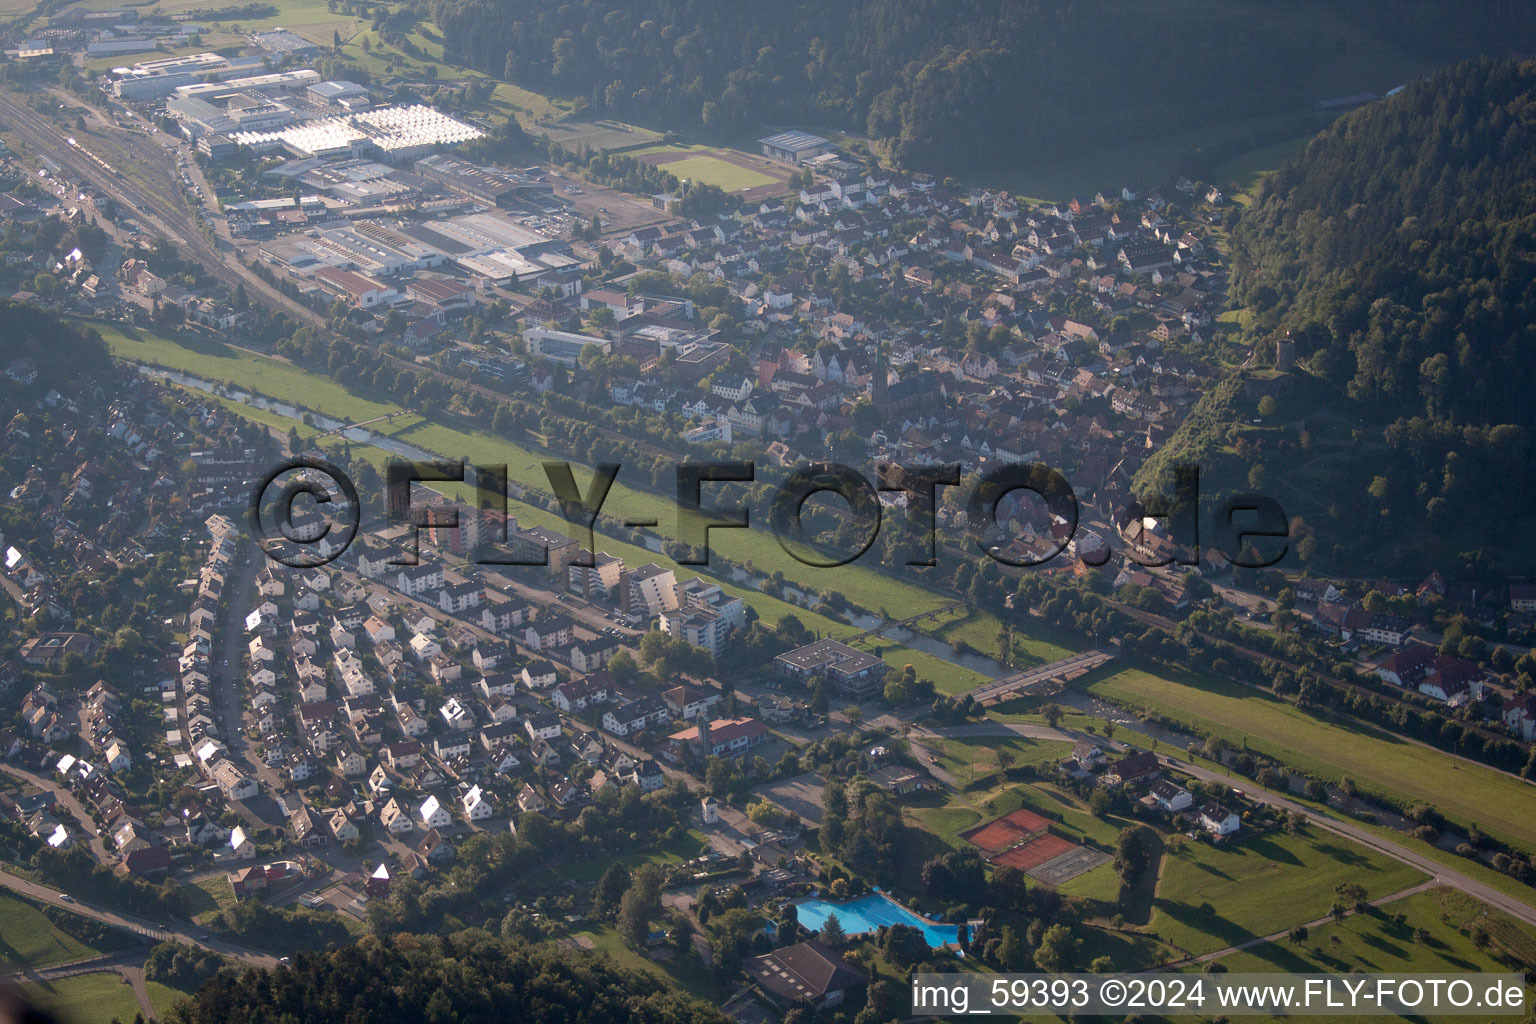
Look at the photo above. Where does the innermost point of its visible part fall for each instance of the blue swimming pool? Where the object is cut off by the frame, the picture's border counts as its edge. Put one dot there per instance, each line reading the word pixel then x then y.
pixel 868 913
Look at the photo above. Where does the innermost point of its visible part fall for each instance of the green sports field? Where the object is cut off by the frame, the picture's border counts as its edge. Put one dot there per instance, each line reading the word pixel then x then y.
pixel 721 173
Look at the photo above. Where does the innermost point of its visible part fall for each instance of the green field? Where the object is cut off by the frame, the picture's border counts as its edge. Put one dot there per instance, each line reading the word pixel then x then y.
pixel 1378 942
pixel 1376 760
pixel 1211 897
pixel 86 998
pixel 1242 176
pixel 687 973
pixel 210 895
pixel 667 147
pixel 975 760
pixel 947 677
pixel 723 174
pixel 163 998
pixel 29 939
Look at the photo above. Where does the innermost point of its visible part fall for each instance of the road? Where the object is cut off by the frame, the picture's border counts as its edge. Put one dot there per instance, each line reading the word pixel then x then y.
pixel 229 675
pixel 1339 826
pixel 141 926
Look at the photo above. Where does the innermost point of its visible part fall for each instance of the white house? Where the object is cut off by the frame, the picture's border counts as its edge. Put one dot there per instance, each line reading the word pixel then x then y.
pixel 433 815
pixel 395 820
pixel 341 826
pixel 1170 797
pixel 240 845
pixel 545 726
pixel 477 806
pixel 1219 821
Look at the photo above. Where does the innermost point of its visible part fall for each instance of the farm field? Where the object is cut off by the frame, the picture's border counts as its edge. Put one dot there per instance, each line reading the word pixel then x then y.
pixel 1210 897
pixel 1376 760
pixel 86 998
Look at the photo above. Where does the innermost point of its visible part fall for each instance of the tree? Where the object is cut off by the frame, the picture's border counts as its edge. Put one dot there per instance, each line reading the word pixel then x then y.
pixel 854 714
pixel 1053 714
pixel 1352 893
pixel 612 887
pixel 1133 852
pixel 1011 954
pixel 819 701
pixel 1058 950
pixel 640 903
pixel 622 666
pixel 832 932
pixel 904 945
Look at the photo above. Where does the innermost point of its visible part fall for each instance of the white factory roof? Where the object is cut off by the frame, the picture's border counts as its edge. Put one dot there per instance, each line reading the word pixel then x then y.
pixel 388 128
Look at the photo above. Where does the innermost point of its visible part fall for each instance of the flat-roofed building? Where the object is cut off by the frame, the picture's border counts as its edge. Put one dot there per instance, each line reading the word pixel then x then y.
pixel 854 672
pixel 562 346
pixel 795 147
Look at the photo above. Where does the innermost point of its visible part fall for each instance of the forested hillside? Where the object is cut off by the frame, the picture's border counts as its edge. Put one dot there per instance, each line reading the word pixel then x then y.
pixel 436 980
pixel 56 350
pixel 955 85
pixel 1398 251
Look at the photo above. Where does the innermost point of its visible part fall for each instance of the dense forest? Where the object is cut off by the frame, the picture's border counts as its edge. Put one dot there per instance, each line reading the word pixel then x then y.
pixel 1396 252
pixel 470 976
pixel 954 85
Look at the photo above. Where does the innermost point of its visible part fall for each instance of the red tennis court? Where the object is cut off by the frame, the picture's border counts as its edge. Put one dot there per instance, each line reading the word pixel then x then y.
pixel 1034 853
pixel 1026 820
pixel 994 836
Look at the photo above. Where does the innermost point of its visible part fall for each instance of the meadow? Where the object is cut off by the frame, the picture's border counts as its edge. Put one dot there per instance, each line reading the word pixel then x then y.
pixel 1426 933
pixel 1376 760
pixel 29 939
pixel 1210 897
pixel 96 998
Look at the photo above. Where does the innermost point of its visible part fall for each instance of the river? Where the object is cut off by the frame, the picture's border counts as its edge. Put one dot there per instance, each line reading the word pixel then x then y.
pixel 360 435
